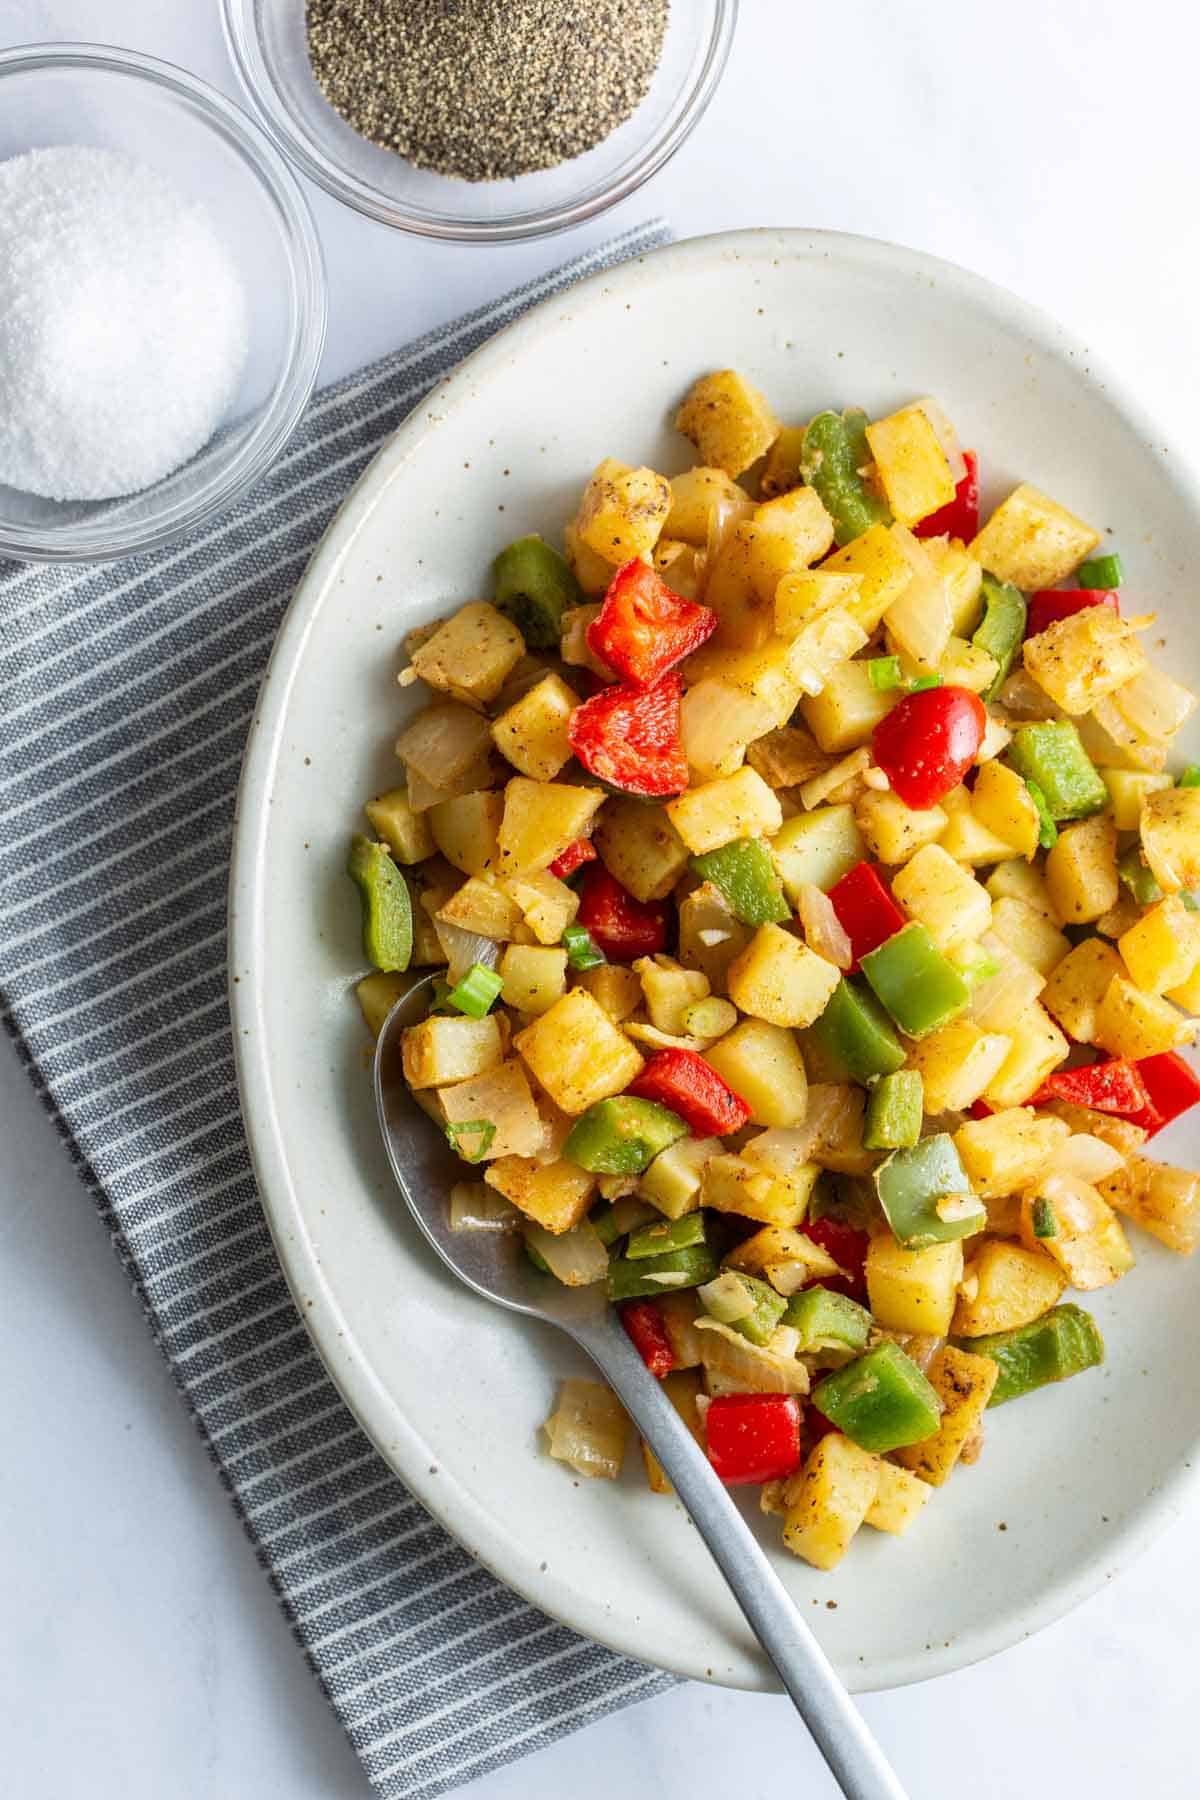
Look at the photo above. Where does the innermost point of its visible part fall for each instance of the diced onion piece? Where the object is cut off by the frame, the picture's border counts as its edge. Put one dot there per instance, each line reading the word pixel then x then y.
pixel 642 1033
pixel 463 949
pixel 824 932
pixel 1154 704
pixel 576 1257
pixel 951 1208
pixel 1076 1203
pixel 476 1207
pixel 783 1149
pixel 922 1349
pixel 710 1018
pixel 727 1298
pixel 407 676
pixel 945 434
pixel 728 511
pixel 877 779
pixel 667 1278
pixel 703 1402
pixel 997 736
pixel 1023 699
pixel 589 1429
pixel 1086 1157
pixel 787 1278
pixel 733 1365
pixel 828 1103
pixel 821 786
pixel 710 937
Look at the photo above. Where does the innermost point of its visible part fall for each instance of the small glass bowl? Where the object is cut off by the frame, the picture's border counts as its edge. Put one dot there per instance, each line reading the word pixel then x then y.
pixel 268 43
pixel 118 100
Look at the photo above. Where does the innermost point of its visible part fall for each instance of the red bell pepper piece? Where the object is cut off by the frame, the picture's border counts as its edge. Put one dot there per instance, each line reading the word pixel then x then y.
pixel 959 518
pixel 979 1109
pixel 927 743
pixel 1172 1085
pixel 848 1247
pixel 687 1085
pixel 753 1437
pixel 644 1323
pixel 1049 605
pixel 1114 1086
pixel 865 909
pixel 620 925
pixel 643 629
pixel 629 737
pixel 573 857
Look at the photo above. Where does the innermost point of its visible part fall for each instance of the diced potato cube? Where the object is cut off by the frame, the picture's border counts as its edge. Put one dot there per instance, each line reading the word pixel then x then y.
pixel 964 582
pixel 1029 933
pixel 465 829
pixel 913 1290
pixel 729 421
pixel 1162 1200
pixel 899 1500
pixel 803 595
pixel 1122 1136
pixel 1089 1244
pixel 640 847
pixel 957 1064
pixel 885 570
pixel 698 496
pixel 669 990
pixel 1081 870
pixel 682 567
pixel 672 1181
pixel 534 977
pixel 576 1052
pixel 1078 984
pixel 405 832
pixel 1021 881
pixel 592 572
pixel 615 987
pixel 1162 949
pixel 848 708
pixel 710 936
pixel 532 734
pixel 1187 994
pixel 764 673
pixel 377 993
pixel 479 905
pixel 836 1491
pixel 472 655
pixel 554 1195
pixel 789 533
pixel 911 464
pixel 966 665
pixel 776 1249
pixel 779 979
pixel 1170 828
pixel 1080 659
pixel 540 819
pixel 763 1064
pixel 745 614
pixel 823 646
pixel 1127 791
pixel 818 847
pixel 786 757
pixel 894 832
pixel 623 511
pixel 1032 541
pixel 682 1388
pixel 1005 997
pixel 731 1184
pixel 1132 1024
pixel 501 1098
pixel 1038 1046
pixel 963 1383
pixel 1008 1150
pixel 574 647
pixel 1009 1286
pixel 966 838
pixel 946 899
pixel 1001 801
pixel 443 1049
pixel 919 623
pixel 547 904
pixel 716 723
pixel 717 812
pixel 782 471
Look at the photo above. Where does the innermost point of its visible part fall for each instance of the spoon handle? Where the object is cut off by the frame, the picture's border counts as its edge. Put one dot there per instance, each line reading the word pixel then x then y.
pixel 852 1754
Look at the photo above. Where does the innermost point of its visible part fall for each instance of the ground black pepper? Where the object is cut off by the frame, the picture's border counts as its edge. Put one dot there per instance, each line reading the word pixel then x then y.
pixel 485 89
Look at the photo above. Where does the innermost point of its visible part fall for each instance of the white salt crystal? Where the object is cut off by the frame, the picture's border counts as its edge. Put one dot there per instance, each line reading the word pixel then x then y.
pixel 122 325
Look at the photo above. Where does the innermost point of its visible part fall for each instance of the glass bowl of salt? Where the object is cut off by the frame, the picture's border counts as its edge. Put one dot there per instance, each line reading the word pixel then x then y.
pixel 162 304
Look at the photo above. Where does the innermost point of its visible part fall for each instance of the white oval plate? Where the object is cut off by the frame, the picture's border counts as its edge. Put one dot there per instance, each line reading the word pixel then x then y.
pixel 450 1389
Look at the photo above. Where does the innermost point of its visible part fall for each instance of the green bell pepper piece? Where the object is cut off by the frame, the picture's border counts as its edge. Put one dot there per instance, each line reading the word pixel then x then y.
pixel 857 1034
pixel 835 449
pixel 1139 878
pixel 534 588
pixel 745 874
pixel 828 1321
pixel 621 1136
pixel 662 1235
pixel 1000 631
pixel 894 1111
pixel 767 1310
pixel 1190 776
pixel 386 904
pixel 1100 572
pixel 881 1400
pixel 911 1183
pixel 650 1275
pixel 1047 829
pixel 920 987
pixel 1051 754
pixel 1063 1342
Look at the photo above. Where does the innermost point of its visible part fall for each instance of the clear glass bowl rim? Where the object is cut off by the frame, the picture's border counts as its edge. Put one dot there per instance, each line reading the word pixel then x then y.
pixel 254 71
pixel 108 538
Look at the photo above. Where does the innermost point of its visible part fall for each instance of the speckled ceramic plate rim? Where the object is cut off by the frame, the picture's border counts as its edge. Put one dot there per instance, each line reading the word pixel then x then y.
pixel 332 1330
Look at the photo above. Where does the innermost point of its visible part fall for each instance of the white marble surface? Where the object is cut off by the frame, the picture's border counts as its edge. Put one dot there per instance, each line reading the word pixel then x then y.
pixel 142 1654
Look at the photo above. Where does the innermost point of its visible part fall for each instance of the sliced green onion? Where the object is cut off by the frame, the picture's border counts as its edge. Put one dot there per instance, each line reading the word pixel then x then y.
pixel 885 673
pixel 581 951
pixel 1047 829
pixel 441 995
pixel 474 995
pixel 1045 1225
pixel 975 964
pixel 481 1128
pixel 923 683
pixel 1190 776
pixel 1101 572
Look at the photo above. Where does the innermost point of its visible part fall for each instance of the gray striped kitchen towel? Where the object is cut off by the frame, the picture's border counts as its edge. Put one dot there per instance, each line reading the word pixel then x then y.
pixel 126 692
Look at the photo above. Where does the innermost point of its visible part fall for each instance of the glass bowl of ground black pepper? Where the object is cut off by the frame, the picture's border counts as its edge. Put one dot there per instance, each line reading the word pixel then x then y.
pixel 480 120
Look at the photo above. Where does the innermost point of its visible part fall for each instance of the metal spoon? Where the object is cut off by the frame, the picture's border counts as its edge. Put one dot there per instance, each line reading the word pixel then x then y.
pixel 494 1264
